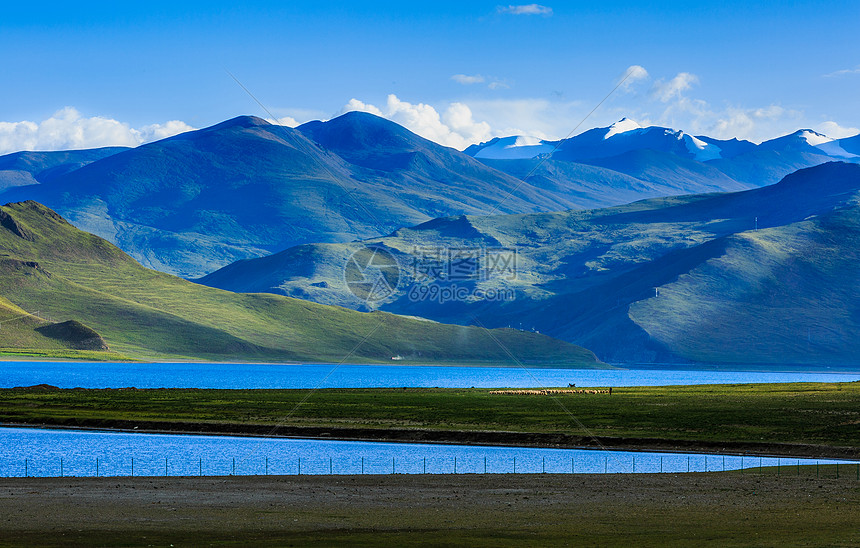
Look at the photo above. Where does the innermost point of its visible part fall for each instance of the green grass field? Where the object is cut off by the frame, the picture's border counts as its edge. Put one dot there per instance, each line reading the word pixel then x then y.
pixel 822 414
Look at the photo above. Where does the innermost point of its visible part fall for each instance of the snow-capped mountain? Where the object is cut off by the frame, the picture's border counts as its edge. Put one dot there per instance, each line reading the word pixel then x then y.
pixel 622 136
pixel 620 145
pixel 626 135
pixel 806 140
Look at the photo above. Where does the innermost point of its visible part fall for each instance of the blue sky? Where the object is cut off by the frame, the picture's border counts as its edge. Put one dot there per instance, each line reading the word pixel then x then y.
pixel 90 74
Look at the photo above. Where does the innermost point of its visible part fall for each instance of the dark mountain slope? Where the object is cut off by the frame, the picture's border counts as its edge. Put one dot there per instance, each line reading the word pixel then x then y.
pixel 604 278
pixel 30 168
pixel 246 188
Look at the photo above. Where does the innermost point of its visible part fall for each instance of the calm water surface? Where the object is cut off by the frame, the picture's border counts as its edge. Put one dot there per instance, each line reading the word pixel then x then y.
pixel 213 375
pixel 48 452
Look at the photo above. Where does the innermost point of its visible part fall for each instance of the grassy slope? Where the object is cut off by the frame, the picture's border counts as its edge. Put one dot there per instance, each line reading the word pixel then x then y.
pixel 789 291
pixel 20 338
pixel 803 413
pixel 149 314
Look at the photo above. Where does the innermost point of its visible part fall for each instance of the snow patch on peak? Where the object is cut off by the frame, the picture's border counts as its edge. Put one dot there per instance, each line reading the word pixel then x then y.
pixel 700 150
pixel 812 137
pixel 514 148
pixel 526 141
pixel 621 126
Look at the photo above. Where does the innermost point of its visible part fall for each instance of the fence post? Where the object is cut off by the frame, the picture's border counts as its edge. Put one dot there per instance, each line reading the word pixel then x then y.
pixel 688 464
pixel 300 466
pixel 97 467
pixel 724 463
pixel 233 473
pixel 200 467
pixel 572 466
pixel 425 464
pixel 837 470
pixel 61 467
pixel 515 465
pixel 392 465
pixel 605 464
pixel 634 464
pixel 661 465
pixel 362 465
pixel 798 467
pixel 543 465
pixel 455 465
pixel 742 465
pixel 26 469
pixel 132 466
pixel 778 466
pixel 165 467
pixel 330 466
pixel 485 465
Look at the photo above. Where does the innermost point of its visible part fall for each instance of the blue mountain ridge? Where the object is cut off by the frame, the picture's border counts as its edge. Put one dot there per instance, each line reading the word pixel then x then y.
pixel 762 276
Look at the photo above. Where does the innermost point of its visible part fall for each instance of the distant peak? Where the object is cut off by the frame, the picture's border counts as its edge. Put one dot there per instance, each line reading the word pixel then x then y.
pixel 241 121
pixel 812 137
pixel 621 126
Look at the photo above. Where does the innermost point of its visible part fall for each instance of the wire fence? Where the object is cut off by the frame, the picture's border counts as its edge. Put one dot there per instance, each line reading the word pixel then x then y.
pixel 596 463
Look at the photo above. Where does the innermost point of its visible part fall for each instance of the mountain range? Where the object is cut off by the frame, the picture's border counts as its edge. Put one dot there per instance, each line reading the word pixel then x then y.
pixel 762 276
pixel 196 202
pixel 65 291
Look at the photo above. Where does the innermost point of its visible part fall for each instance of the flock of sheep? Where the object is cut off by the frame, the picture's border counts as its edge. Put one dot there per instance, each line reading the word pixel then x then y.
pixel 549 391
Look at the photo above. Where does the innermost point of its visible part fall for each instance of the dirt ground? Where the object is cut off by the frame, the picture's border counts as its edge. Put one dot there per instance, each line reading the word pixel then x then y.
pixel 728 509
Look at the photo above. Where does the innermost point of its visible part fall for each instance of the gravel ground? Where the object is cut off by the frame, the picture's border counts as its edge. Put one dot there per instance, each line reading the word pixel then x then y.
pixel 728 509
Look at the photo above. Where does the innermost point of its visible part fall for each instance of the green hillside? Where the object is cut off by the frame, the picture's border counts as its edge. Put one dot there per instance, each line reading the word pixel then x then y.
pixel 48 265
pixel 783 294
pixel 25 335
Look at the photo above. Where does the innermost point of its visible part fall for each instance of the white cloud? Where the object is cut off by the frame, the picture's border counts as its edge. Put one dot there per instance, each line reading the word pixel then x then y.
pixel 834 130
pixel 633 74
pixel 355 104
pixel 670 102
pixel 534 117
pixel 68 129
pixel 526 9
pixel 744 123
pixel 843 72
pixel 456 127
pixel 467 80
pixel 154 132
pixel 673 89
pixel 286 121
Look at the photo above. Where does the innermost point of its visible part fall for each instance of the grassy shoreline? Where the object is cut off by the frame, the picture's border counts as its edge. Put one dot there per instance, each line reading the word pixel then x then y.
pixel 803 419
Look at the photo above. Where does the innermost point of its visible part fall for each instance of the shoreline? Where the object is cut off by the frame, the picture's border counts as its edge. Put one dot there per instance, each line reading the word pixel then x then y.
pixel 452 437
pixel 707 367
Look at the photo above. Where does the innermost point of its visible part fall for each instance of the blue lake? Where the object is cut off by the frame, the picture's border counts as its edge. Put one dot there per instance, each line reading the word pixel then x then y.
pixel 46 452
pixel 214 375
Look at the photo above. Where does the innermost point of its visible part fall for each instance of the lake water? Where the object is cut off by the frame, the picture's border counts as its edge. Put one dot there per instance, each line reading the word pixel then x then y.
pixel 214 375
pixel 39 452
